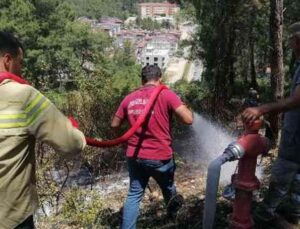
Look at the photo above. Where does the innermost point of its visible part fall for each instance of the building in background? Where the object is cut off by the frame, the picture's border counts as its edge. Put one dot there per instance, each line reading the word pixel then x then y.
pixel 157 48
pixel 150 47
pixel 151 56
pixel 110 25
pixel 154 10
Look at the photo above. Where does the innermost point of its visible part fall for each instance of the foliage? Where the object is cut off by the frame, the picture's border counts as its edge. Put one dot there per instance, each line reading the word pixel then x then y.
pixel 192 93
pixel 81 207
pixel 93 79
pixel 56 45
pixel 100 8
pixel 233 41
pixel 186 13
pixel 148 24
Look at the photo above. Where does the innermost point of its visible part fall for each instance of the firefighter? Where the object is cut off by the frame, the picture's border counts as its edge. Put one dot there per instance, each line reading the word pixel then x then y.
pixel 285 176
pixel 252 99
pixel 25 116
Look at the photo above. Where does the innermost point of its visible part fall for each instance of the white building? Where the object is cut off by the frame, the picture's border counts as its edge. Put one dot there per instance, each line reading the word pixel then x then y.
pixel 157 48
pixel 152 56
pixel 164 42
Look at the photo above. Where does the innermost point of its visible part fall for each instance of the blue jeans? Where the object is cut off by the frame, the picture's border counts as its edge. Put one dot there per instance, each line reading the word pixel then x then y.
pixel 140 170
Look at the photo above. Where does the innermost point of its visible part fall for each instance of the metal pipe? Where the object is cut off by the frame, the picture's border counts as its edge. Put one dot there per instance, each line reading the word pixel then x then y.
pixel 232 152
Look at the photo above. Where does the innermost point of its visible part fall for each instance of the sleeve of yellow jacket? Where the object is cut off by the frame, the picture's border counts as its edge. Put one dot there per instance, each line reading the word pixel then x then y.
pixel 49 125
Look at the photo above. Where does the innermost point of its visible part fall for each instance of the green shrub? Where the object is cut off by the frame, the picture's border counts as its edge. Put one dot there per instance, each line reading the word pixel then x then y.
pixel 82 207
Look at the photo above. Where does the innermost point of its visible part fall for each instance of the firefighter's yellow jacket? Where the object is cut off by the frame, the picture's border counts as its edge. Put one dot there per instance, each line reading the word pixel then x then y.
pixel 25 116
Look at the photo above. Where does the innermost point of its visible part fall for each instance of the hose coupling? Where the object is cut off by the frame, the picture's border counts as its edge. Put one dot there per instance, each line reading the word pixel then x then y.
pixel 234 151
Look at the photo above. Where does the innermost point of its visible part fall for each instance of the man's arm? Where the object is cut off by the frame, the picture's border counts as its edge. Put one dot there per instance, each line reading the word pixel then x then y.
pixel 252 113
pixel 184 114
pixel 116 123
pixel 49 125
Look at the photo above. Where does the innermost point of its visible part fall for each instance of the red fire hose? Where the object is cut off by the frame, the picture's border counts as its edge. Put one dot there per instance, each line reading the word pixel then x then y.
pixel 131 131
pixel 92 141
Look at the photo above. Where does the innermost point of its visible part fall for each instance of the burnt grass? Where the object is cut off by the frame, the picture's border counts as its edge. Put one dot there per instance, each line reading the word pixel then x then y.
pixel 189 216
pixel 190 183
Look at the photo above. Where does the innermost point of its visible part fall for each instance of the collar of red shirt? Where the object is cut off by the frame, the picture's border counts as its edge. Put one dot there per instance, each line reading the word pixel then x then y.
pixel 11 76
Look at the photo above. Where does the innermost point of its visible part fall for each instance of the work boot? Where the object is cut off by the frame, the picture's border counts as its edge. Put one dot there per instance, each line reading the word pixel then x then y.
pixel 174 205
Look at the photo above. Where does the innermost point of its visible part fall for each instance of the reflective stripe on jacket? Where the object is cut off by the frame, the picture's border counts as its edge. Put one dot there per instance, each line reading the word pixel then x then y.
pixel 25 116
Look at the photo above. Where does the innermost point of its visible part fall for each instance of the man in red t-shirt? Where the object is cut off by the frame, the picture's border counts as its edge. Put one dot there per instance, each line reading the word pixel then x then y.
pixel 149 151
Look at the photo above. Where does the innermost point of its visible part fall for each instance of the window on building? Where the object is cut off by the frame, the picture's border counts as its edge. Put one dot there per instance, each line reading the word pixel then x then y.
pixel 163 59
pixel 155 64
pixel 147 58
pixel 147 64
pixel 155 59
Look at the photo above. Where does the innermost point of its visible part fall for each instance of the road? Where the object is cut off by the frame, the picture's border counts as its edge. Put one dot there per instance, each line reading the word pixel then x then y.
pixel 181 68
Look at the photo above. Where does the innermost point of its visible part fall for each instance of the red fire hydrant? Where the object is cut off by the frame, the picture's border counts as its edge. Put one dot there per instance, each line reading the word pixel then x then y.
pixel 245 181
pixel 245 149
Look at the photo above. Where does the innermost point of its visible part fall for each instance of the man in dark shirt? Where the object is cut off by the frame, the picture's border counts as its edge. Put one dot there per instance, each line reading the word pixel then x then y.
pixel 285 178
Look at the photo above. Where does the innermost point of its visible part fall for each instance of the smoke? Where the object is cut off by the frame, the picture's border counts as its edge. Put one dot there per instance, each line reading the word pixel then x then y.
pixel 204 142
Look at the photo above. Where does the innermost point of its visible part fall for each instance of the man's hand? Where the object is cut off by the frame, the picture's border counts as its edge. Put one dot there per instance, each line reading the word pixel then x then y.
pixel 116 123
pixel 251 114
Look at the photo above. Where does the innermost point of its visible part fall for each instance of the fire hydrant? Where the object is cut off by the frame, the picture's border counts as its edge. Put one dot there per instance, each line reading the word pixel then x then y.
pixel 246 149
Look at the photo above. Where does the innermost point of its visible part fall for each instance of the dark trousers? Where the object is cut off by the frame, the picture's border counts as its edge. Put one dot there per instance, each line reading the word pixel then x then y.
pixel 284 185
pixel 27 224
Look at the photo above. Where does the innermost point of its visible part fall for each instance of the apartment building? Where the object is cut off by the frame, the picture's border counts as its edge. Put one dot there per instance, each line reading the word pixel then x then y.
pixel 153 10
pixel 158 48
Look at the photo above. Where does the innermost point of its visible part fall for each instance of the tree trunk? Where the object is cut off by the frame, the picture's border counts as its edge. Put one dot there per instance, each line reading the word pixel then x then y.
pixel 252 50
pixel 224 70
pixel 252 61
pixel 276 58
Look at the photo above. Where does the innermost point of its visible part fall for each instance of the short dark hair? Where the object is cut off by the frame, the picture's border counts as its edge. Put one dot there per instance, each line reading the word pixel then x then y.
pixel 151 72
pixel 9 44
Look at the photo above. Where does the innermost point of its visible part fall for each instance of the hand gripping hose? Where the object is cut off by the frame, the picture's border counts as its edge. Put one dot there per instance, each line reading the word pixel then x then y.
pixel 131 131
pixel 92 141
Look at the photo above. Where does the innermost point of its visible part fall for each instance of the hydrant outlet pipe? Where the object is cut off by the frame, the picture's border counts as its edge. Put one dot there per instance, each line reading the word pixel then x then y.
pixel 232 152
